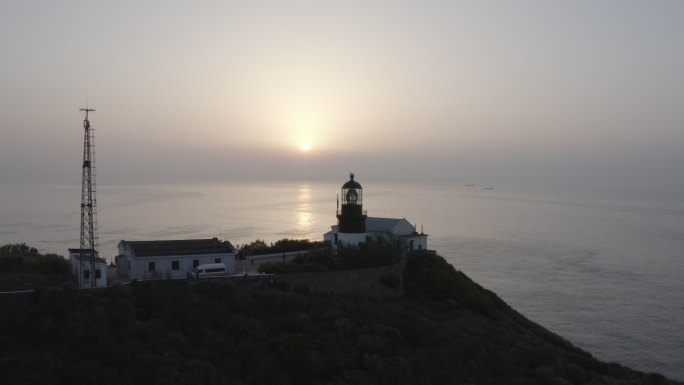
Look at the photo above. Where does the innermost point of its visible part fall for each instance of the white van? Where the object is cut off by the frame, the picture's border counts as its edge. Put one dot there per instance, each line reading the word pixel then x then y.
pixel 210 270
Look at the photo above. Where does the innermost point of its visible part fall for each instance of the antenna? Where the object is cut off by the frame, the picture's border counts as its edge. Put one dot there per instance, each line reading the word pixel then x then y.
pixel 88 245
pixel 86 111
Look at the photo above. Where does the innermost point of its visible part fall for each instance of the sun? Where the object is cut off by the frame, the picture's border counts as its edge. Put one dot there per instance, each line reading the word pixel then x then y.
pixel 305 146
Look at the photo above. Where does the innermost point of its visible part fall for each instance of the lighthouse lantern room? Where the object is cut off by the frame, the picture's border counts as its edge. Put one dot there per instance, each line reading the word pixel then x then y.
pixel 351 218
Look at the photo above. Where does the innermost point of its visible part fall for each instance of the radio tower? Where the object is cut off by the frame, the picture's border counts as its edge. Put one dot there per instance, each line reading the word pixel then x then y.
pixel 88 206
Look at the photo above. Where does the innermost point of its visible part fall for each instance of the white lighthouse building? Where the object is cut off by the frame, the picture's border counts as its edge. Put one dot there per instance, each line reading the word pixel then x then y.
pixel 355 227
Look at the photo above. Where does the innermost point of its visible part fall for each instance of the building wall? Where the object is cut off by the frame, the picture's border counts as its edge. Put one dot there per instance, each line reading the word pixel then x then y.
pixel 140 266
pixel 419 242
pixel 122 262
pixel 352 238
pixel 403 231
pixel 76 270
pixel 330 236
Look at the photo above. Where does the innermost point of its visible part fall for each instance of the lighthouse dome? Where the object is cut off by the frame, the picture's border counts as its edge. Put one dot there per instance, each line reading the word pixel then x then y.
pixel 351 183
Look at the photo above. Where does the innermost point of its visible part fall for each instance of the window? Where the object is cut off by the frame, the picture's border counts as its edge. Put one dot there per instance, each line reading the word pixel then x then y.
pixel 98 274
pixel 151 266
pixel 175 265
pixel 217 260
pixel 86 274
pixel 195 262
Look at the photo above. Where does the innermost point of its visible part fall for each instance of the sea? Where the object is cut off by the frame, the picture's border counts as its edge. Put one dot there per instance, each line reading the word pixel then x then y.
pixel 603 269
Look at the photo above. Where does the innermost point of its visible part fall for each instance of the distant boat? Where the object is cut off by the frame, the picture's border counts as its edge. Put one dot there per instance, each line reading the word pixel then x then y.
pixel 488 188
pixel 470 185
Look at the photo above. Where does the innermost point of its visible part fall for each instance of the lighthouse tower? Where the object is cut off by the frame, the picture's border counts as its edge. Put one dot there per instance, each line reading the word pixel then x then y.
pixel 351 219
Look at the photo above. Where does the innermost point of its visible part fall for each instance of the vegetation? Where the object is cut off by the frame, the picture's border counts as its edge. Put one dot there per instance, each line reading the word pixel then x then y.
pixel 314 260
pixel 446 329
pixel 259 247
pixel 369 254
pixel 18 257
pixel 322 258
pixel 23 268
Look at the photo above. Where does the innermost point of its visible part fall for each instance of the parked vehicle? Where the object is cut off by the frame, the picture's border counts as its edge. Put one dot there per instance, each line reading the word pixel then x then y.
pixel 209 270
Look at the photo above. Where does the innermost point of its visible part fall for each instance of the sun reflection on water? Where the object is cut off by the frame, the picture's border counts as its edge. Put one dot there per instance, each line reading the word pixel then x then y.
pixel 304 210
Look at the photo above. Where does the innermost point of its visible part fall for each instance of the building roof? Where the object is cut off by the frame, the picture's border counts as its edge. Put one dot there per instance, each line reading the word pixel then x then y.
pixel 85 257
pixel 78 251
pixel 76 254
pixel 376 224
pixel 179 247
pixel 396 226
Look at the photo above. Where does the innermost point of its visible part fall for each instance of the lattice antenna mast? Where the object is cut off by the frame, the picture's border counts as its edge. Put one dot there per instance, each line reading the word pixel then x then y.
pixel 88 245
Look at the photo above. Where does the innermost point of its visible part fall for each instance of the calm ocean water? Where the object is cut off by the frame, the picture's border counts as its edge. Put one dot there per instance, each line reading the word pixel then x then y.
pixel 605 270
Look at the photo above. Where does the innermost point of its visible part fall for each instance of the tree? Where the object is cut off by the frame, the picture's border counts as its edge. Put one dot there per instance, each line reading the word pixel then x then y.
pixel 21 257
pixel 18 249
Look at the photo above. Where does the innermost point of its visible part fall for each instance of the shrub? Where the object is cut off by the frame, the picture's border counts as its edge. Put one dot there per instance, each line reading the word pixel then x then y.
pixel 20 257
pixel 259 247
pixel 390 280
pixel 368 254
pixel 273 268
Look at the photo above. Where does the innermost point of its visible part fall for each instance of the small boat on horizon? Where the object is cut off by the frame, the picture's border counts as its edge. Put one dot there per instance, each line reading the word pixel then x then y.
pixel 488 188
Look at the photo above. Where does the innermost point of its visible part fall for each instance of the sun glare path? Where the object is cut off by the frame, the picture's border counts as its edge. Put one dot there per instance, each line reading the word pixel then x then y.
pixel 305 146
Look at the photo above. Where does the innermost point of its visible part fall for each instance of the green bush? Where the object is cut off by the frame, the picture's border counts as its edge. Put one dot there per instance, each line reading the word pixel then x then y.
pixel 391 281
pixel 22 258
pixel 273 268
pixel 259 247
pixel 368 254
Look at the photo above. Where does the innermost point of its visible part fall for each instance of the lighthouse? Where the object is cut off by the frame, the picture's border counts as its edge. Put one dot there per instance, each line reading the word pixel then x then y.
pixel 351 219
pixel 355 227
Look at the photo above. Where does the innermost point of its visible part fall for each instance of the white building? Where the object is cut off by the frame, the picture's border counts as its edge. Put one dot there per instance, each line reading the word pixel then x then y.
pixel 143 260
pixel 386 230
pixel 81 268
pixel 354 226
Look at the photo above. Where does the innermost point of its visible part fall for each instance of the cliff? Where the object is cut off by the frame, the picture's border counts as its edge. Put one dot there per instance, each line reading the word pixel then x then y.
pixel 444 329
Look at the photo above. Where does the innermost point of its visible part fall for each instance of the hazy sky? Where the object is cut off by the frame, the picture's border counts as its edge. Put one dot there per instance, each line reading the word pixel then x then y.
pixel 481 91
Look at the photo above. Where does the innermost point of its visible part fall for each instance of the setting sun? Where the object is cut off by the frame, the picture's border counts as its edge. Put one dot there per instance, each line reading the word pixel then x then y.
pixel 305 146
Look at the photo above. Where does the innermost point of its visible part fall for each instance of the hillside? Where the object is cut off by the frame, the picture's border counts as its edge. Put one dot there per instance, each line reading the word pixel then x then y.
pixel 446 329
